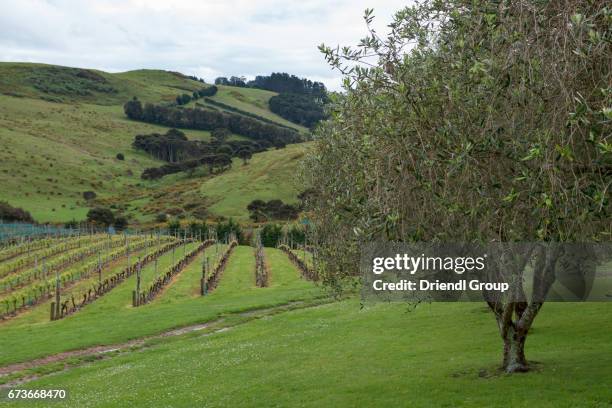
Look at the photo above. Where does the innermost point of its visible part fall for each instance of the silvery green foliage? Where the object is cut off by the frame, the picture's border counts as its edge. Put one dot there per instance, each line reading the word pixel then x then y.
pixel 469 122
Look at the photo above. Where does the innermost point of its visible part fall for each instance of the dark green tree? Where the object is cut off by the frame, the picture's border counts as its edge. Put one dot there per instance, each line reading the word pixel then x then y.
pixel 120 223
pixel 100 216
pixel 133 109
pixel 245 154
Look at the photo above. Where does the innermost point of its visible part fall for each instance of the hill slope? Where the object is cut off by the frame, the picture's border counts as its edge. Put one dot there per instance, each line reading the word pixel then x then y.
pixel 269 175
pixel 62 128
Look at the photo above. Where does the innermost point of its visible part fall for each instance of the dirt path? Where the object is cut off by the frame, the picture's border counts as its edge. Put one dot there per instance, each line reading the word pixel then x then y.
pixel 218 325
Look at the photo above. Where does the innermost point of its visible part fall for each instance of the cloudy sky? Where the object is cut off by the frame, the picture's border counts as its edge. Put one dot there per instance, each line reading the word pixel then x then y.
pixel 207 38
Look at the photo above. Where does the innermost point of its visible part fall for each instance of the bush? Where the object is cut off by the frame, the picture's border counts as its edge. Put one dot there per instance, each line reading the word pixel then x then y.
pixel 100 216
pixel 271 235
pixel 210 91
pixel 174 227
pixel 72 224
pixel 220 134
pixel 133 109
pixel 183 99
pixel 224 229
pixel 89 195
pixel 225 149
pixel 120 223
pixel 261 211
pixel 10 213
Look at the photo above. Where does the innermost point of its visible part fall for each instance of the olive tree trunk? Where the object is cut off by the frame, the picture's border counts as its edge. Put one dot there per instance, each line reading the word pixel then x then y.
pixel 515 314
pixel 514 352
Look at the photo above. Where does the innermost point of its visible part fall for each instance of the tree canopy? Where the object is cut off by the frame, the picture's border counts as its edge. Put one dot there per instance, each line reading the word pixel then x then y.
pixel 469 122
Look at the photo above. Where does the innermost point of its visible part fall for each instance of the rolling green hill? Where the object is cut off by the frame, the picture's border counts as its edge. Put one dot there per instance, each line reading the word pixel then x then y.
pixel 62 128
pixel 269 175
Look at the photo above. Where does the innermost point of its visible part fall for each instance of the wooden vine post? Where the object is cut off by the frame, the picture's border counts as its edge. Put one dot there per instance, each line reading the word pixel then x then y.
pixel 261 272
pixel 203 282
pixel 57 295
pixel 99 268
pixel 136 293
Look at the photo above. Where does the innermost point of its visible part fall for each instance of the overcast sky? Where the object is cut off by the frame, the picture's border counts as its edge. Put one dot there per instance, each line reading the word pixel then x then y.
pixel 207 38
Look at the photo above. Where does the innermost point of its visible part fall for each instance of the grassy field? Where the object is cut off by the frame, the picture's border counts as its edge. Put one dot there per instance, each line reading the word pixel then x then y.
pixel 290 345
pixel 269 175
pixel 60 135
pixel 441 354
pixel 253 101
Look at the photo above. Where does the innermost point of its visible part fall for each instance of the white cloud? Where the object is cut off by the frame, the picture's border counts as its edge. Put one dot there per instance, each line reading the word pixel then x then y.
pixel 207 38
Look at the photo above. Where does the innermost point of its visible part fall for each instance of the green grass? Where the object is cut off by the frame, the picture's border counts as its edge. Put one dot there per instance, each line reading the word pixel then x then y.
pixel 51 152
pixel 278 263
pixel 441 354
pixel 112 319
pixel 305 256
pixel 253 101
pixel 269 175
pixel 64 84
pixel 187 284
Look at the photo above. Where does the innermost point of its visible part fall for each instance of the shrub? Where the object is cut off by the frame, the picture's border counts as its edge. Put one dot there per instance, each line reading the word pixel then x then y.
pixel 120 223
pixel 261 211
pixel 100 216
pixel 10 213
pixel 271 235
pixel 89 195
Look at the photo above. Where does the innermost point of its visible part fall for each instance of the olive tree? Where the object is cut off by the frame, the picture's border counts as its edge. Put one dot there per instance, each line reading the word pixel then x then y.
pixel 470 121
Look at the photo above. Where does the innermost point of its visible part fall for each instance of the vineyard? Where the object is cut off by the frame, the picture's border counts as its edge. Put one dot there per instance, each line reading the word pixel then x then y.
pixel 149 307
pixel 67 292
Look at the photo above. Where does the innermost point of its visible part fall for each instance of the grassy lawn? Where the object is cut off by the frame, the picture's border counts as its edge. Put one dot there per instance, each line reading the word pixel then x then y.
pixel 112 319
pixel 442 354
pixel 278 263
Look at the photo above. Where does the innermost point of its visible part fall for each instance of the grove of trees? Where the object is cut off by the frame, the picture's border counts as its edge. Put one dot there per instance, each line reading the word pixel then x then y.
pixel 202 119
pixel 300 100
pixel 187 155
pixel 285 83
pixel 297 108
pixel 260 211
pixel 470 122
